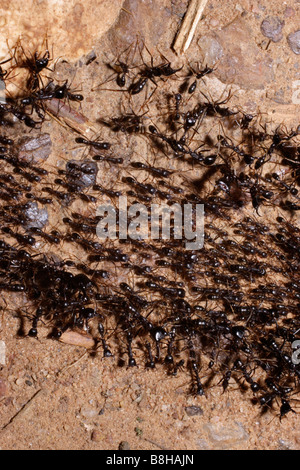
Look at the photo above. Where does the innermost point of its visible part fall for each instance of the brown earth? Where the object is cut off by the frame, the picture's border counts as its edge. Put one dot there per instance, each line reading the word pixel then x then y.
pixel 58 396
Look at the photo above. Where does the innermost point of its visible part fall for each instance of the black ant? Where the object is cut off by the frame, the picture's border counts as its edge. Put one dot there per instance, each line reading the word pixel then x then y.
pixel 150 73
pixel 198 74
pixel 93 143
pixel 130 123
pixel 35 64
pixel 4 73
pixel 120 70
pixel 160 172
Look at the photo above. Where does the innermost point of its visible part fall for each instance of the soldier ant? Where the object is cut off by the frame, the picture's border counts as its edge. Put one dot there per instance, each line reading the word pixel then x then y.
pixel 35 63
pixel 198 74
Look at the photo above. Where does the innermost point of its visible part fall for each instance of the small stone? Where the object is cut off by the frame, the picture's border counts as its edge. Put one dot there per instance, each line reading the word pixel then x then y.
pixel 212 50
pixel 77 338
pixel 226 437
pixel 294 41
pixel 3 388
pixel 35 149
pixel 89 413
pixel 271 27
pixel 284 445
pixel 193 411
pixel 20 382
pixel 202 444
pixel 289 12
pixel 96 436
pixel 150 18
pixel 2 353
pixel 63 405
pixel 35 217
pixel 124 445
pixel 243 63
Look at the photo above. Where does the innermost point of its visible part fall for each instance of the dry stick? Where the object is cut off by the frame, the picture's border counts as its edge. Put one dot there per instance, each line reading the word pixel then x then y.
pixel 22 410
pixel 155 444
pixel 71 365
pixel 189 24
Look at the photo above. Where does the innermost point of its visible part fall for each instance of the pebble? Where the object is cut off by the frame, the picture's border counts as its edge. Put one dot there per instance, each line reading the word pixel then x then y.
pixel 271 27
pixel 97 436
pixel 3 388
pixel 289 12
pixel 124 445
pixel 242 62
pixel 150 18
pixel 284 445
pixel 193 411
pixel 77 338
pixel 35 217
pixel 212 49
pixel 35 149
pixel 89 413
pixel 2 353
pixel 90 57
pixel 225 437
pixel 294 41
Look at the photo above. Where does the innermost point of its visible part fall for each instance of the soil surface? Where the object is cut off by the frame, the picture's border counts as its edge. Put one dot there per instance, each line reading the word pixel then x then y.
pixel 60 396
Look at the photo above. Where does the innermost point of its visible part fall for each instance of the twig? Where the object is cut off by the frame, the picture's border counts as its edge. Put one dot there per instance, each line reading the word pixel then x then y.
pixel 72 364
pixel 189 24
pixel 21 410
pixel 155 443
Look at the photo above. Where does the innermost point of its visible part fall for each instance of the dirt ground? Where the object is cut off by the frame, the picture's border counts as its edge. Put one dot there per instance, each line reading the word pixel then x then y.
pixel 59 396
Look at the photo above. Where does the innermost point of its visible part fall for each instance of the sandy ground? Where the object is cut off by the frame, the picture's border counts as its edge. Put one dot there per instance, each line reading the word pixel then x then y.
pixel 56 396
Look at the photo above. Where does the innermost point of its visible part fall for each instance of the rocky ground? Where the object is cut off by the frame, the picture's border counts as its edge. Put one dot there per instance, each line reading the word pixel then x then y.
pixel 58 396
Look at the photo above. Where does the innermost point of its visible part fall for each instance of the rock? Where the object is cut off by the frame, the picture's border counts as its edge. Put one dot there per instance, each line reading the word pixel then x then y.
pixel 213 50
pixel 148 21
pixel 202 444
pixel 89 413
pixel 294 41
pixel 63 405
pixel 2 353
pixel 225 437
pixel 193 411
pixel 90 57
pixel 35 217
pixel 238 58
pixel 284 445
pixel 271 27
pixel 87 20
pixel 124 445
pixel 289 12
pixel 97 436
pixel 3 388
pixel 77 338
pixel 35 149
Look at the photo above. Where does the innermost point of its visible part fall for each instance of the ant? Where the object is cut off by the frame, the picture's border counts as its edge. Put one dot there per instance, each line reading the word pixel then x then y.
pixel 4 73
pixel 115 160
pixel 198 74
pixel 34 63
pixel 93 143
pixel 63 91
pixel 248 159
pixel 130 123
pixel 277 143
pixel 150 73
pixel 244 123
pixel 120 69
pixel 161 172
